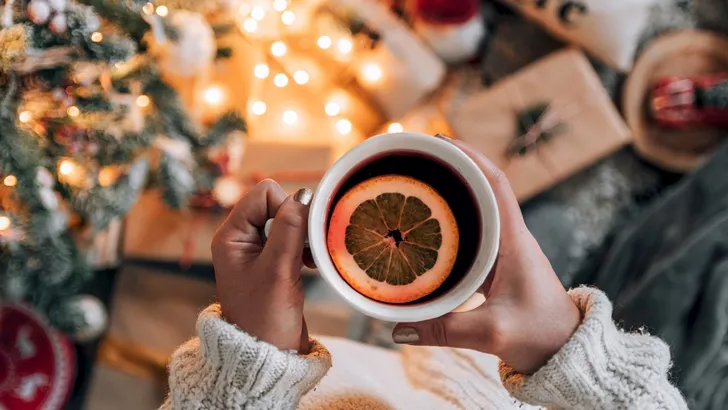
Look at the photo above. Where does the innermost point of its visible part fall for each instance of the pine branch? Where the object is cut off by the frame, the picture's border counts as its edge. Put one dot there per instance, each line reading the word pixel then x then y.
pixel 117 11
pixel 176 181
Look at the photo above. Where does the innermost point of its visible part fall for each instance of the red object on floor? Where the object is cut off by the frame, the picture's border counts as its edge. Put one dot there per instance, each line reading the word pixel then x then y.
pixel 674 102
pixel 36 362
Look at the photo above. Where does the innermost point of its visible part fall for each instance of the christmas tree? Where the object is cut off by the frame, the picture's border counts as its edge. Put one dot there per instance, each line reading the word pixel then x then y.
pixel 88 121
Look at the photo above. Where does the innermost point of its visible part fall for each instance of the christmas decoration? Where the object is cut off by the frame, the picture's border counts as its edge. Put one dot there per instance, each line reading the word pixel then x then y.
pixel 36 363
pixel 680 101
pixel 610 31
pixel 544 123
pixel 82 107
pixel 454 29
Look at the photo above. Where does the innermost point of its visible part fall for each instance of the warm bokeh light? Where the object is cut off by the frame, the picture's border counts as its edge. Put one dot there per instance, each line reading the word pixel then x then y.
pixel 278 49
pixel 324 42
pixel 250 25
pixel 162 11
pixel 66 167
pixel 4 223
pixel 280 80
pixel 25 116
pixel 301 77
pixel 244 9
pixel 258 108
pixel 96 37
pixel 280 5
pixel 395 127
pixel 258 13
pixel 344 46
pixel 261 70
pixel 214 95
pixel 371 72
pixel 10 180
pixel 343 126
pixel 288 17
pixel 143 101
pixel 290 117
pixel 73 111
pixel 332 109
pixel 107 176
pixel 148 9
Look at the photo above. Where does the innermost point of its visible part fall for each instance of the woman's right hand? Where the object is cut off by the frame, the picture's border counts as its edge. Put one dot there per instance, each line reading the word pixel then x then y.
pixel 527 316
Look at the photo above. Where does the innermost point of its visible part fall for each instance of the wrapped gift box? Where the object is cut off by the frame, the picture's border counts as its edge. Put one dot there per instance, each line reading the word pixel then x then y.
pixel 544 123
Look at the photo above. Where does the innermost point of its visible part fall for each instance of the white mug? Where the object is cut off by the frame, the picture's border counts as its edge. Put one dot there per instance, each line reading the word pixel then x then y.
pixel 463 167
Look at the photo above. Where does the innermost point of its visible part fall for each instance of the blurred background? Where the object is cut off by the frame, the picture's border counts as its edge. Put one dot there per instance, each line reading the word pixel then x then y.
pixel 129 128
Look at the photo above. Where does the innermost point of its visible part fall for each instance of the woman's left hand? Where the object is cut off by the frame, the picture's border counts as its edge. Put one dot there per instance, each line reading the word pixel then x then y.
pixel 259 287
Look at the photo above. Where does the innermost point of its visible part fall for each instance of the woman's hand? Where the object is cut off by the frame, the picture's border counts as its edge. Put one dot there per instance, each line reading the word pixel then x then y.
pixel 527 316
pixel 259 287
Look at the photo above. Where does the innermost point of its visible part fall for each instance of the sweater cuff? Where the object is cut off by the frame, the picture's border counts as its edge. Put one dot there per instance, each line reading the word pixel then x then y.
pixel 235 370
pixel 600 366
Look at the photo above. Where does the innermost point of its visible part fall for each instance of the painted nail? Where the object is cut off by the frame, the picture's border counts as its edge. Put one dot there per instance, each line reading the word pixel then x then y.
pixel 443 137
pixel 405 335
pixel 303 196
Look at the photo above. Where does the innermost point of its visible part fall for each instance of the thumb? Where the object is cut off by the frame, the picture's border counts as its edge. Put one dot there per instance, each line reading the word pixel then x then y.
pixel 284 246
pixel 467 330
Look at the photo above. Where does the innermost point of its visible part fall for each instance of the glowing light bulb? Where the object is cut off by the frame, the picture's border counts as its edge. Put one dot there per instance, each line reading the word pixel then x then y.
pixel 324 42
pixel 372 73
pixel 395 127
pixel 344 46
pixel 278 49
pixel 258 13
pixel 258 108
pixel 73 111
pixel 10 180
pixel 280 80
pixel 25 116
pixel 143 101
pixel 66 167
pixel 301 77
pixel 250 25
pixel 148 9
pixel 214 95
pixel 261 70
pixel 96 37
pixel 332 109
pixel 288 17
pixel 290 117
pixel 107 176
pixel 4 223
pixel 162 11
pixel 280 5
pixel 343 126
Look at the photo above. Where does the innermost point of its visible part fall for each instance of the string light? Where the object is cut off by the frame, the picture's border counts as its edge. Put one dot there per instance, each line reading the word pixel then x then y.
pixel 214 95
pixel 66 167
pixel 258 108
pixel 301 77
pixel 107 176
pixel 96 37
pixel 4 223
pixel 143 101
pixel 10 180
pixel 258 13
pixel 278 49
pixel 162 11
pixel 290 117
pixel 280 80
pixel 261 71
pixel 148 9
pixel 324 42
pixel 73 111
pixel 344 45
pixel 372 73
pixel 250 25
pixel 343 126
pixel 332 109
pixel 280 5
pixel 288 17
pixel 395 127
pixel 25 116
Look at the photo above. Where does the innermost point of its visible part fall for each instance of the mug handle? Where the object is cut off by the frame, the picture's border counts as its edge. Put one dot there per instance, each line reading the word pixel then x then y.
pixel 265 233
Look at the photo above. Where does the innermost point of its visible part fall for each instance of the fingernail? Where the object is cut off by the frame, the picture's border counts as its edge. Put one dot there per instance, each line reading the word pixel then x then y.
pixel 405 335
pixel 303 196
pixel 443 137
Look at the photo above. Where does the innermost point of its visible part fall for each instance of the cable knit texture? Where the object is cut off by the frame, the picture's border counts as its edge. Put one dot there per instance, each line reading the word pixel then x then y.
pixel 599 368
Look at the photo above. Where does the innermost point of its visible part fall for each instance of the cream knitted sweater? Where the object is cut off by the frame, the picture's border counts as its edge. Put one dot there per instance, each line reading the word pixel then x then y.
pixel 600 367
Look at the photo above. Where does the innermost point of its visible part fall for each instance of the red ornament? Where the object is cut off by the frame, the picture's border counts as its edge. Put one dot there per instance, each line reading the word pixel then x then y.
pixel 675 102
pixel 446 11
pixel 36 362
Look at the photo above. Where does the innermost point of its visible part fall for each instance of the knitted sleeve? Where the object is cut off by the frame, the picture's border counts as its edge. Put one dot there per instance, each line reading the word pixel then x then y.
pixel 600 367
pixel 225 368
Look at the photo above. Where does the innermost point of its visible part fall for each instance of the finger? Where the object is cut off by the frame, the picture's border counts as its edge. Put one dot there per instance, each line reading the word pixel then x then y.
pixel 466 330
pixel 284 248
pixel 249 215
